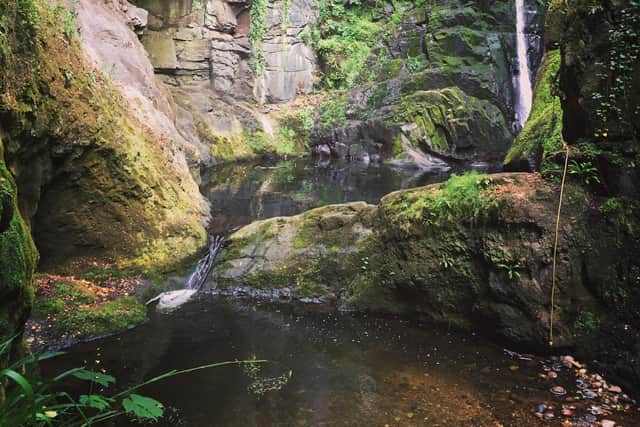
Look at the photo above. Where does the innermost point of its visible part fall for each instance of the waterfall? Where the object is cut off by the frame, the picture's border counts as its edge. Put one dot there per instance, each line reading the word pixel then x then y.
pixel 168 301
pixel 524 91
pixel 199 276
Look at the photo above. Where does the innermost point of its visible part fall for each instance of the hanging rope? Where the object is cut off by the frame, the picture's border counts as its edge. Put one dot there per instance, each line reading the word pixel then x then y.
pixel 555 244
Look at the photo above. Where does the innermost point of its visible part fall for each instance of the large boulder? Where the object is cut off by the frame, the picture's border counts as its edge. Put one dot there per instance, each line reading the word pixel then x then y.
pixel 475 252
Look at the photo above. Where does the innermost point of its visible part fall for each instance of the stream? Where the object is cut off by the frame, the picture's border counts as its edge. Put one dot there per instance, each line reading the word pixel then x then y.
pixel 324 368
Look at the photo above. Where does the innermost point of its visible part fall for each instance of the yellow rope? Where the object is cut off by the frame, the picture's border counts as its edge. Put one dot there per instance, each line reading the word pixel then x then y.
pixel 555 244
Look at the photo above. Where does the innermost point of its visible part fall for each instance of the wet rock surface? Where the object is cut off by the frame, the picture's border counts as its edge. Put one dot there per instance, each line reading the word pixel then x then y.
pixel 467 48
pixel 494 273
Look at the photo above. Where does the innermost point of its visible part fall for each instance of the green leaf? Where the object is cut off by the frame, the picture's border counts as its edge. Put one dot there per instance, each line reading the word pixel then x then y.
pixel 97 377
pixel 19 379
pixel 95 401
pixel 143 407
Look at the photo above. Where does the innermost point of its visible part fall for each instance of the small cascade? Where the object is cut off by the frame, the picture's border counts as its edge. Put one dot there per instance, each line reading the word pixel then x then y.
pixel 168 301
pixel 523 87
pixel 199 276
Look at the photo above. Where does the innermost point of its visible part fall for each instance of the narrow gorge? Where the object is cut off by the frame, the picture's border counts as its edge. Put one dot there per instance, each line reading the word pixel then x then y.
pixel 426 212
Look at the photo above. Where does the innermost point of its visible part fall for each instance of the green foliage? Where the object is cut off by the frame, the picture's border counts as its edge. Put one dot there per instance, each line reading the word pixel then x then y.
pixel 512 268
pixel 40 402
pixel 333 112
pixel 585 171
pixel 586 323
pixel 343 37
pixel 621 212
pixel 258 31
pixel 70 21
pixel 616 107
pixel 462 199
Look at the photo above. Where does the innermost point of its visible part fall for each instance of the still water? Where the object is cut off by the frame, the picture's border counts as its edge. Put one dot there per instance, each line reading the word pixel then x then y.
pixel 325 368
pixel 345 369
pixel 241 193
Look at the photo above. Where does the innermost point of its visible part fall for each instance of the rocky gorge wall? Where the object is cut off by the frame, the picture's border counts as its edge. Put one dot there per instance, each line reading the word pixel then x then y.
pixel 18 258
pixel 438 88
pixel 94 178
pixel 219 67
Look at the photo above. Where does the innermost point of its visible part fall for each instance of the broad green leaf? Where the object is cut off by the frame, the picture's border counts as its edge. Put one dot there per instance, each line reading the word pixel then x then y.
pixel 95 401
pixel 19 379
pixel 97 377
pixel 143 407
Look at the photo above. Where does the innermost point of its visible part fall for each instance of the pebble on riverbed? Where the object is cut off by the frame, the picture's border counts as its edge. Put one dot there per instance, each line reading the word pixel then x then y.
pixel 589 398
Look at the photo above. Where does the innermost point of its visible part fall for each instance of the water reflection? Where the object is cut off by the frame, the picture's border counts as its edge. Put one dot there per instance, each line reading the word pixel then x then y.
pixel 346 369
pixel 241 193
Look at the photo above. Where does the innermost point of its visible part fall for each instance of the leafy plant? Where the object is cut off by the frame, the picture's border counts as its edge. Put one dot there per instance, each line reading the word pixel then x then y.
pixel 258 31
pixel 34 401
pixel 333 112
pixel 586 322
pixel 586 171
pixel 70 21
pixel 511 267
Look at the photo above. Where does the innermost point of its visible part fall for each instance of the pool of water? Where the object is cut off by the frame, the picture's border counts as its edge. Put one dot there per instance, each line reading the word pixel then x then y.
pixel 342 369
pixel 242 192
pixel 324 368
pixel 333 369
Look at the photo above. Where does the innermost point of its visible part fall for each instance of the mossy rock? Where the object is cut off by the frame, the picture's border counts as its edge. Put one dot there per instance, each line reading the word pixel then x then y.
pixel 542 133
pixel 94 181
pixel 452 124
pixel 18 259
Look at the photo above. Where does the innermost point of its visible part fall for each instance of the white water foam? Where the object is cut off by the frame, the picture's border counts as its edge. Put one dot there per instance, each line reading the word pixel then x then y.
pixel 524 91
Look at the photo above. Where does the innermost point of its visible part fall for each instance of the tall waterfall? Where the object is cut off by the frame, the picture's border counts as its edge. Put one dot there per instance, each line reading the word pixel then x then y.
pixel 524 91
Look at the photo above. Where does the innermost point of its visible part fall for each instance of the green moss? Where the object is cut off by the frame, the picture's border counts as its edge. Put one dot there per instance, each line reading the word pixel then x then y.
pixel 462 199
pixel 543 129
pixel 112 316
pixel 18 258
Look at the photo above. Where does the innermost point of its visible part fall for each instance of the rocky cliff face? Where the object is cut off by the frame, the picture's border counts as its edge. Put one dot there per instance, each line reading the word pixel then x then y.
pixel 440 83
pixel 218 64
pixel 94 179
pixel 18 258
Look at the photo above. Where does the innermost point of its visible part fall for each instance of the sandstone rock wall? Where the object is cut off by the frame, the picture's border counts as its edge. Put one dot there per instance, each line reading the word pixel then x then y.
pixel 91 143
pixel 202 51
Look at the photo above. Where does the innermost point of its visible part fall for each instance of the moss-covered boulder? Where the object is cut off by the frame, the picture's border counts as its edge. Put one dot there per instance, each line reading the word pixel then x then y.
pixel 18 258
pixel 300 253
pixel 94 180
pixel 475 252
pixel 452 125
